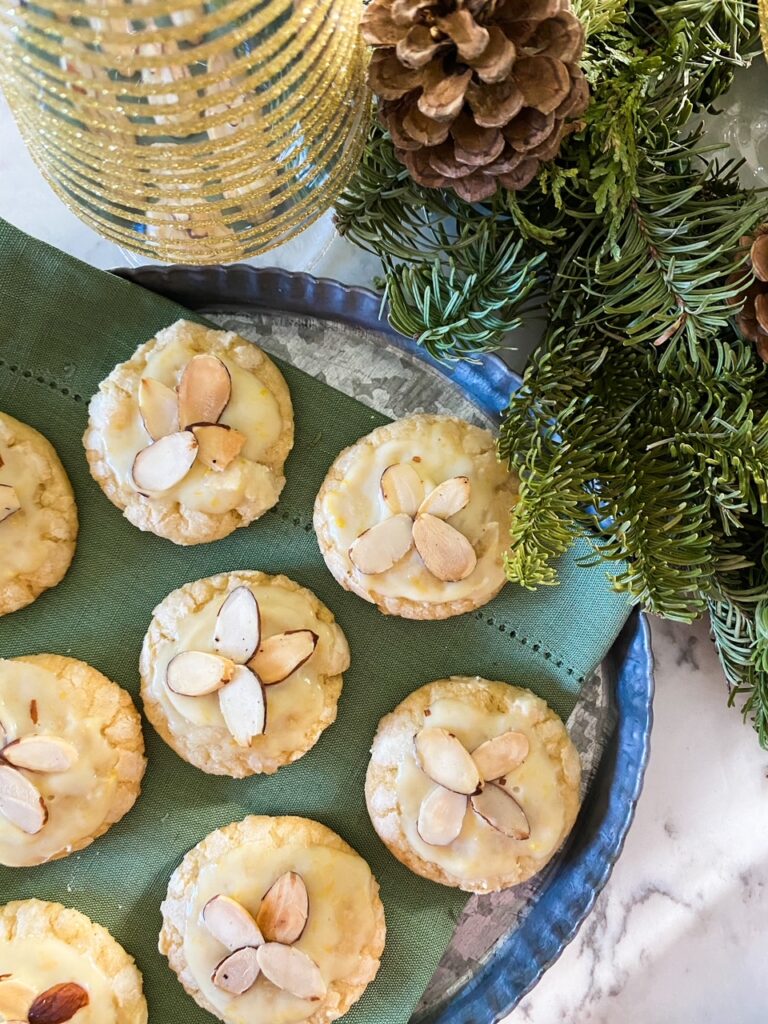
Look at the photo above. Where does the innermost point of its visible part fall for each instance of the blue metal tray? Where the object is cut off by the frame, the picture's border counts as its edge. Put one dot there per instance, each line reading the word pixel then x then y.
pixel 515 960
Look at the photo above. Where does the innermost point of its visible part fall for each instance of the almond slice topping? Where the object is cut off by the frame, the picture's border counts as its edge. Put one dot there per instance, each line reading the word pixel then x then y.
pixel 291 970
pixel 446 553
pixel 20 801
pixel 230 923
pixel 40 754
pixel 502 812
pixel 218 445
pixel 402 489
pixel 280 655
pixel 441 816
pixel 159 408
pixel 9 501
pixel 243 706
pixel 15 999
pixel 237 972
pixel 446 760
pixel 196 673
pixel 500 755
pixel 237 631
pixel 447 498
pixel 284 910
pixel 58 1004
pixel 378 549
pixel 162 464
pixel 204 390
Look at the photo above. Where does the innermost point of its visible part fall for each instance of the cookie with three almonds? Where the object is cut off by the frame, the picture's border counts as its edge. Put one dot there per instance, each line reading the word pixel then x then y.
pixel 414 517
pixel 473 783
pixel 59 966
pixel 189 436
pixel 71 757
pixel 273 919
pixel 242 672
pixel 38 516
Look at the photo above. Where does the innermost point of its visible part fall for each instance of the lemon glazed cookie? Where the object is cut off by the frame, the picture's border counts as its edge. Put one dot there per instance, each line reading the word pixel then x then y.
pixel 189 437
pixel 59 966
pixel 38 516
pixel 242 672
pixel 414 517
pixel 273 920
pixel 472 783
pixel 71 757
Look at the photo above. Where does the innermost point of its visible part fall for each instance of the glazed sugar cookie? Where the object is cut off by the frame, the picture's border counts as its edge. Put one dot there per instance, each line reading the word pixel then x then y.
pixel 72 757
pixel 273 919
pixel 189 436
pixel 242 672
pixel 414 517
pixel 473 783
pixel 38 517
pixel 58 965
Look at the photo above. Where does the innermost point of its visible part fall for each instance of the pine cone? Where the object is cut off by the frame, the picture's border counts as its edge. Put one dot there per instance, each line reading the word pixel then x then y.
pixel 476 92
pixel 752 319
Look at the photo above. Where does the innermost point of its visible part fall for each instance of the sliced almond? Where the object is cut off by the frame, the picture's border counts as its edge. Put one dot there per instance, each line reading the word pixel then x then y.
pixel 446 553
pixel 446 760
pixel 58 1004
pixel 381 547
pixel 40 754
pixel 230 923
pixel 196 673
pixel 243 706
pixel 291 970
pixel 159 408
pixel 502 812
pixel 237 972
pixel 204 390
pixel 15 999
pixel 402 488
pixel 9 501
pixel 237 631
pixel 500 755
pixel 218 445
pixel 441 816
pixel 283 913
pixel 447 498
pixel 20 801
pixel 280 655
pixel 162 464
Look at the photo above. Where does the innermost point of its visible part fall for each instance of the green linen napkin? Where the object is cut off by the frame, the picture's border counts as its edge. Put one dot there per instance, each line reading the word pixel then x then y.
pixel 63 326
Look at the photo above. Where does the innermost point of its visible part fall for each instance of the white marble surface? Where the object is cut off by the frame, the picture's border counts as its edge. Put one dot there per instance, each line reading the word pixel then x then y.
pixel 677 935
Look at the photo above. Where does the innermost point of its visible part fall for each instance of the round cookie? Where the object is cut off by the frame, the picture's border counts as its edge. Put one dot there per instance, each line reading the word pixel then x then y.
pixel 414 517
pixel 286 636
pixel 72 757
pixel 38 516
pixel 301 901
pixel 198 484
pixel 474 784
pixel 58 965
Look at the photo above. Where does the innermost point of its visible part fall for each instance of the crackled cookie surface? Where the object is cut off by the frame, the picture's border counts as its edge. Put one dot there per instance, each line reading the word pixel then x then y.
pixel 273 921
pixel 414 517
pixel 242 672
pixel 71 757
pixel 473 783
pixel 59 966
pixel 38 517
pixel 189 436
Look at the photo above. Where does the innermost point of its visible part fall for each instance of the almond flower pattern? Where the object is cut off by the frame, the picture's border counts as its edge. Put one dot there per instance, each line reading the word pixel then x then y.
pixel 21 802
pixel 420 521
pixel 184 425
pixel 464 780
pixel 58 1004
pixel 265 945
pixel 242 665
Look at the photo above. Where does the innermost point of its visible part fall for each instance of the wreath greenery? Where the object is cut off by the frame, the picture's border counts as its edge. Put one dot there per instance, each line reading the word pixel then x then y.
pixel 643 417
